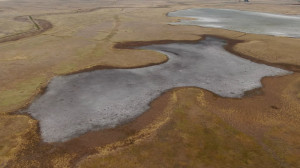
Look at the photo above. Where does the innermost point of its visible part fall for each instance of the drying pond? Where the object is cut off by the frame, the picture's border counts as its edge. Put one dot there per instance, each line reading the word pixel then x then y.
pixel 243 21
pixel 75 104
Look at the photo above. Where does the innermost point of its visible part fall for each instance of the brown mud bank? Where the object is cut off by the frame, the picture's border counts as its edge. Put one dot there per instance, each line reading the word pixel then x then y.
pixel 231 43
pixel 78 103
pixel 279 102
pixel 256 131
pixel 38 153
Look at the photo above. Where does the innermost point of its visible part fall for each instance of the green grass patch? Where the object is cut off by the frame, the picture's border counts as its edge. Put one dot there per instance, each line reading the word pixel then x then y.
pixel 16 96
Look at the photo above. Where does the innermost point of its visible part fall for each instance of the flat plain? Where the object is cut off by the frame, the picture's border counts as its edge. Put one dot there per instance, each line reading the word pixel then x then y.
pixel 185 127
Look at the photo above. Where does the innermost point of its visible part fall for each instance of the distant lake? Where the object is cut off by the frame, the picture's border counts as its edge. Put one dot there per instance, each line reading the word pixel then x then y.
pixel 242 21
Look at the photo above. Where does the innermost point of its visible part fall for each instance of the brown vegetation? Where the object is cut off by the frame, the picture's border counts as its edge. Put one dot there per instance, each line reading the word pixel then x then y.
pixel 264 126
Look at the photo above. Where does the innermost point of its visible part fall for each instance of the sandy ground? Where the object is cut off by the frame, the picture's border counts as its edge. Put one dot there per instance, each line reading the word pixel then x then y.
pixel 75 43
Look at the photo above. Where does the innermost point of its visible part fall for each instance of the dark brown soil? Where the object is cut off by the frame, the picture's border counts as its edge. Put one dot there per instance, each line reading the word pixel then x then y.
pixel 85 145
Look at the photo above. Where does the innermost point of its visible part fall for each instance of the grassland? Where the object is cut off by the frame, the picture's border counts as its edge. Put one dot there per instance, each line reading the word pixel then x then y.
pixel 82 38
pixel 205 130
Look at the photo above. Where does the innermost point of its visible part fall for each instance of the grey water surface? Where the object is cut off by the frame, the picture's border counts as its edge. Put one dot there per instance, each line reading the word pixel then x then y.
pixel 75 104
pixel 242 21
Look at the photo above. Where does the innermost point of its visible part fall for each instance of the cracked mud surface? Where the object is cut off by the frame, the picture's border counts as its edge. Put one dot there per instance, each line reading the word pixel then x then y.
pixel 75 104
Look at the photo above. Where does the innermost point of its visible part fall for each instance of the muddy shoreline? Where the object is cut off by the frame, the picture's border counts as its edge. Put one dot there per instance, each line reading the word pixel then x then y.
pixel 229 47
pixel 134 44
pixel 85 144
pixel 73 102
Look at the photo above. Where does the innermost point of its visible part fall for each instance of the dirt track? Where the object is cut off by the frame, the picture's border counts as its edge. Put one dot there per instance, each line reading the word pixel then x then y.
pixel 28 64
pixel 129 134
pixel 44 25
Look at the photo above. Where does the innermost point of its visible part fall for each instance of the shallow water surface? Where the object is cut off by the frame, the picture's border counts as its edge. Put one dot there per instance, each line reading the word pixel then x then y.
pixel 75 104
pixel 243 21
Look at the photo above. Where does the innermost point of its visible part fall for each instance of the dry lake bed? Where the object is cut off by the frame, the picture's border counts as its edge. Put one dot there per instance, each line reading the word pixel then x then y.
pixel 182 91
pixel 75 104
pixel 243 21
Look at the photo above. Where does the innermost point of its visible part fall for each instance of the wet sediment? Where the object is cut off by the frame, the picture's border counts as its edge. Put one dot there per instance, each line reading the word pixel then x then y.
pixel 86 144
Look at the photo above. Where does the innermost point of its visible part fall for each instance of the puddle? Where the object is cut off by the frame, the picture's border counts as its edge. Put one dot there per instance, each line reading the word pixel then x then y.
pixel 75 104
pixel 242 21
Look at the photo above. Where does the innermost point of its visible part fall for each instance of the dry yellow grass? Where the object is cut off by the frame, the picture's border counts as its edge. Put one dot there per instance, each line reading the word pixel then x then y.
pixel 81 40
pixel 208 131
pixel 12 135
pixel 9 26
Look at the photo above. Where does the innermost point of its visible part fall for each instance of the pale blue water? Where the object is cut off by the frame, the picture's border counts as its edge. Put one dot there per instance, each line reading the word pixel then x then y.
pixel 242 21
